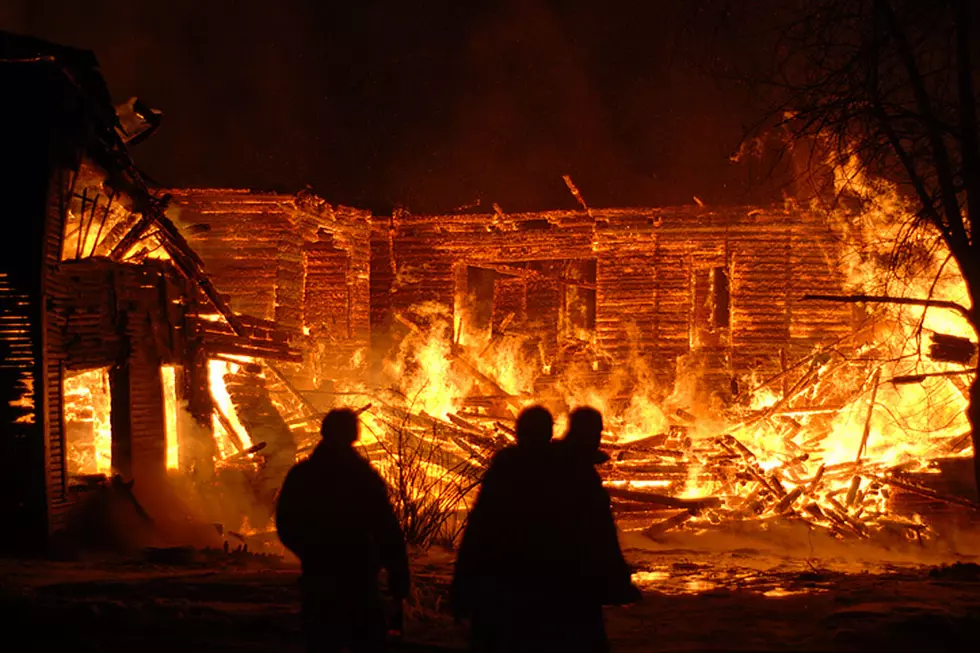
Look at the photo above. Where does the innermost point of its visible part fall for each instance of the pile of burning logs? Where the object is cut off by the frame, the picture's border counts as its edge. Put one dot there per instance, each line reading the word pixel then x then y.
pixel 653 477
pixel 770 464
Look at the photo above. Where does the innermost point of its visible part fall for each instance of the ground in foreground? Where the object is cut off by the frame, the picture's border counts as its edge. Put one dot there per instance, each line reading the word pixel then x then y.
pixel 696 598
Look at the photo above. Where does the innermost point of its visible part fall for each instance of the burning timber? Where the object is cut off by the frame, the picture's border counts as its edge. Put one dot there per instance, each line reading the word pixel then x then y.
pixel 728 394
pixel 109 326
pixel 197 336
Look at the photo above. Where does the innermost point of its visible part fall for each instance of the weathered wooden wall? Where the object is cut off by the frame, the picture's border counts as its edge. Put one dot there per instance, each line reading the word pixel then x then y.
pixel 293 259
pixel 656 269
pixel 124 316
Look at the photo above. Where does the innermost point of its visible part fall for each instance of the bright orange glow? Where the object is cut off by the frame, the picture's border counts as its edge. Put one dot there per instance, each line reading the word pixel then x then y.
pixel 26 400
pixel 168 375
pixel 217 369
pixel 88 432
pixel 813 451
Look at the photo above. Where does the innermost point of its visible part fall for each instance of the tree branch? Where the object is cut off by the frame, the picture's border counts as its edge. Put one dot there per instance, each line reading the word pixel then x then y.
pixel 884 299
pixel 940 155
pixel 970 142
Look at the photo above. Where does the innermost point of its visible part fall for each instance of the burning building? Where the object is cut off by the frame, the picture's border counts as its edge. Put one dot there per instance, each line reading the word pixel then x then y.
pixel 206 331
pixel 110 328
pixel 716 289
pixel 726 390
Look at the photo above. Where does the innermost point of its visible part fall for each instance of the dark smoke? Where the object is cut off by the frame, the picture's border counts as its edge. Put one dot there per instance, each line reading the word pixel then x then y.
pixel 426 105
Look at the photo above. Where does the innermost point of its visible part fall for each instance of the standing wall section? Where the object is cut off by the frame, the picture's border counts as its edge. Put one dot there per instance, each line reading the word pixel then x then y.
pixel 663 277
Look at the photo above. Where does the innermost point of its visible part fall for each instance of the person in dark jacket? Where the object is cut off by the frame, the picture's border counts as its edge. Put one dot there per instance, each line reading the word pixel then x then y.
pixel 598 572
pixel 333 512
pixel 505 571
pixel 540 554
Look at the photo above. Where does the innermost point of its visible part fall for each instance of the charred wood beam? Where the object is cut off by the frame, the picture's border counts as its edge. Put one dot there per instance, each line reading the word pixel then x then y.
pixel 229 429
pixel 81 221
pixel 867 420
pixel 132 237
pixel 105 217
pixel 693 505
pixel 919 378
pixel 928 494
pixel 959 442
pixel 255 448
pixel 659 528
pixel 885 299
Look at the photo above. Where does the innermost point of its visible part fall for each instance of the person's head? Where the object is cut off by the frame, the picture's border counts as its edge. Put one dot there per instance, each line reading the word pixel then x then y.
pixel 585 431
pixel 534 427
pixel 340 427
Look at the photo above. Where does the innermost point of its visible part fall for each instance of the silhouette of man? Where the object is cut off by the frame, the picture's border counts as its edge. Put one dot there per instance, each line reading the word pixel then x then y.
pixel 334 514
pixel 598 572
pixel 506 571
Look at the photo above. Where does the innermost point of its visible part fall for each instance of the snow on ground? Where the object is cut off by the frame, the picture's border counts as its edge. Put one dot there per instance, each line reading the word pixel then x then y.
pixel 773 591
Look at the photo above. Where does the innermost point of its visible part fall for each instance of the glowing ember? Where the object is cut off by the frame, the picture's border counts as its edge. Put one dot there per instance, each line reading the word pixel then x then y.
pixel 88 429
pixel 26 400
pixel 230 436
pixel 168 375
pixel 816 443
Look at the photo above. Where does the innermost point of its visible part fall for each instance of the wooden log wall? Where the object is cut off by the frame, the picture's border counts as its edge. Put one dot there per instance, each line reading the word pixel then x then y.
pixel 293 259
pixel 663 279
pixel 56 463
pixel 130 317
pixel 101 297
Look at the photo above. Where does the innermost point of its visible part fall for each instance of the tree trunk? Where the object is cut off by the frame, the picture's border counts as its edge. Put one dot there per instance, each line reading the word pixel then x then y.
pixel 971 275
pixel 973 412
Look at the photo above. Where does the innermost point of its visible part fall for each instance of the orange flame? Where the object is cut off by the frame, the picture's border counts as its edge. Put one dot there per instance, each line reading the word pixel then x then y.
pixel 168 375
pixel 224 407
pixel 87 422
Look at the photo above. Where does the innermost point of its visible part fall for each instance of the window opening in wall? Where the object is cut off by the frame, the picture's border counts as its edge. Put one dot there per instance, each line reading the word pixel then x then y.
pixel 168 377
pixel 579 279
pixel 88 430
pixel 543 303
pixel 545 300
pixel 721 298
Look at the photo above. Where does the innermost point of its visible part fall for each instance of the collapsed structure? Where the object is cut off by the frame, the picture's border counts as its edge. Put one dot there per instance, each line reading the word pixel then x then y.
pixel 108 320
pixel 729 395
pixel 206 331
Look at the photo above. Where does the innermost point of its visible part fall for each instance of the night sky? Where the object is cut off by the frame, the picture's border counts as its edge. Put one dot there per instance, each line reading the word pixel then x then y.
pixel 383 104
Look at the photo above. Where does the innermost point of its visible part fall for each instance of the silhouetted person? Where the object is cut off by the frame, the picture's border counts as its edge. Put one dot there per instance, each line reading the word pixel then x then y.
pixel 334 514
pixel 598 572
pixel 506 573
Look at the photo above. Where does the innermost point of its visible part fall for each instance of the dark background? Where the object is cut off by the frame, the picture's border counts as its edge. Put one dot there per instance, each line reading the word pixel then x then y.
pixel 427 105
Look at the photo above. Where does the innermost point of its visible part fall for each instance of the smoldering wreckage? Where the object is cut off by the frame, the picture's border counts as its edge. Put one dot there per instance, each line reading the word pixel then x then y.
pixel 168 353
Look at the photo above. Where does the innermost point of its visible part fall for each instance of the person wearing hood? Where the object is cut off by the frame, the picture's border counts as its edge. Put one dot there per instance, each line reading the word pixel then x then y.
pixel 507 577
pixel 598 573
pixel 334 514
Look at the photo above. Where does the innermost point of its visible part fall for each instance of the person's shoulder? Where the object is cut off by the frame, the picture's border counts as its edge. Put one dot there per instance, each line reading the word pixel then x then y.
pixel 507 452
pixel 362 469
pixel 503 458
pixel 299 470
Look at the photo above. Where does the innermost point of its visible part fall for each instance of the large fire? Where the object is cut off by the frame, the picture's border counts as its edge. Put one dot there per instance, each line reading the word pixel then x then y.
pixel 824 448
pixel 168 375
pixel 87 426
pixel 230 435
pixel 819 442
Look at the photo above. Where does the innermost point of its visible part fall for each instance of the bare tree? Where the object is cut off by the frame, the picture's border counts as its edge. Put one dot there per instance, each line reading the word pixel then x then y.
pixel 886 87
